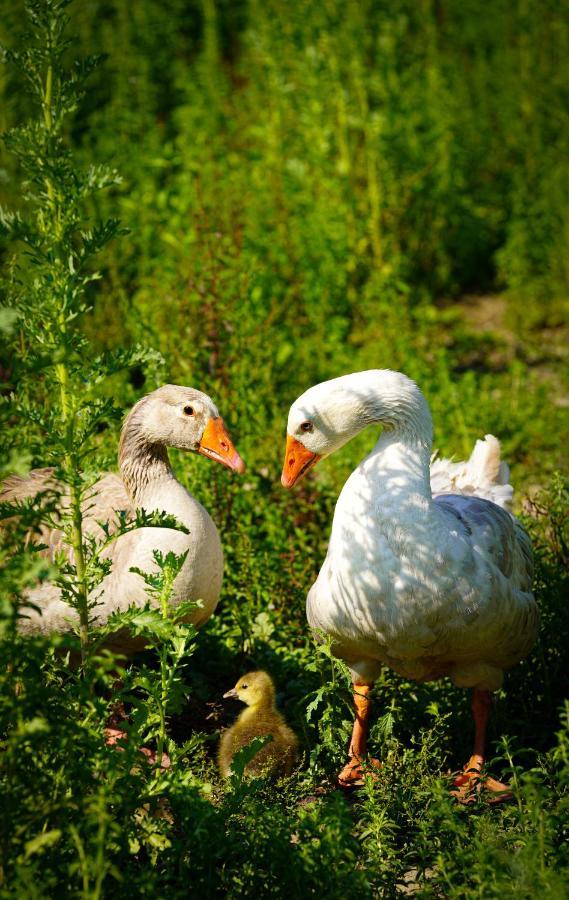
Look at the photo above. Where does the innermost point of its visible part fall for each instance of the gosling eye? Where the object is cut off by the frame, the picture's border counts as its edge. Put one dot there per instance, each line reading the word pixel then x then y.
pixel 307 426
pixel 189 411
pixel 244 687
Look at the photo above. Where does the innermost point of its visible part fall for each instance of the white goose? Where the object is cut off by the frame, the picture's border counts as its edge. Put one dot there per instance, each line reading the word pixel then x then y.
pixel 429 586
pixel 172 416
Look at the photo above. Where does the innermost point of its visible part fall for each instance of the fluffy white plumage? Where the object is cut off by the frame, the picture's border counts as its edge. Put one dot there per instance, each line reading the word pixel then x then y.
pixel 428 585
pixel 483 475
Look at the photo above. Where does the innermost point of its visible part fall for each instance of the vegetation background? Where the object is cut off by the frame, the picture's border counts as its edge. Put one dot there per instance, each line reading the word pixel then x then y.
pixel 309 188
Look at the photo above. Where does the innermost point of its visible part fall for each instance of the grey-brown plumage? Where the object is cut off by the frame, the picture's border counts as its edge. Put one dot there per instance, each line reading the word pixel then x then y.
pixel 259 719
pixel 101 502
pixel 171 416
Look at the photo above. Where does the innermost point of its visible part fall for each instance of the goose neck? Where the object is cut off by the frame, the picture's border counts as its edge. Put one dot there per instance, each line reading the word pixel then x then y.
pixel 142 465
pixel 400 465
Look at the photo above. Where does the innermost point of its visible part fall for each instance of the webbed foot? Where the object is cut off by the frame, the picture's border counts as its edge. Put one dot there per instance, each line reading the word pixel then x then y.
pixel 354 772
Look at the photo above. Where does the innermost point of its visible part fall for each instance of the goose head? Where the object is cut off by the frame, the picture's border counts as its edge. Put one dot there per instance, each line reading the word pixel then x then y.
pixel 180 417
pixel 329 414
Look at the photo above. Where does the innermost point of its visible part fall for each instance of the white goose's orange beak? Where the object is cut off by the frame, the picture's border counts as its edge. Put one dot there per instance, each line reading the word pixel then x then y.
pixel 298 460
pixel 216 444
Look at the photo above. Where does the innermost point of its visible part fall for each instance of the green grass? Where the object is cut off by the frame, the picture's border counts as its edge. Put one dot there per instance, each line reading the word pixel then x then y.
pixel 310 189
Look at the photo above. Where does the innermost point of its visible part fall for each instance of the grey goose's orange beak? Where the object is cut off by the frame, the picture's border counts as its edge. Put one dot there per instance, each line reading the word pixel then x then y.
pixel 216 444
pixel 298 460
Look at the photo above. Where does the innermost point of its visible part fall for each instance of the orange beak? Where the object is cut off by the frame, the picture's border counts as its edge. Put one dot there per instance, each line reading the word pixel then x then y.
pixel 217 444
pixel 298 460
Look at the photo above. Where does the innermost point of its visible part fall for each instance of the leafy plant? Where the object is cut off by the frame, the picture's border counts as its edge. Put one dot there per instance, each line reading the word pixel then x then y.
pixel 46 293
pixel 162 626
pixel 310 191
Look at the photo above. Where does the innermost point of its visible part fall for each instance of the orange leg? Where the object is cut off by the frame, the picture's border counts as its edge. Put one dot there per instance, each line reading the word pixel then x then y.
pixel 471 781
pixel 353 772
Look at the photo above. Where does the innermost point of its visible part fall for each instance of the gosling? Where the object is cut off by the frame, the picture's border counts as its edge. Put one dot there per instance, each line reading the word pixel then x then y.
pixel 261 718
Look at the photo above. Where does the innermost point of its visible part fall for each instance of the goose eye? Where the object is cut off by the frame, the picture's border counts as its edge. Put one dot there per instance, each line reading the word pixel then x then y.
pixel 307 426
pixel 188 410
pixel 243 686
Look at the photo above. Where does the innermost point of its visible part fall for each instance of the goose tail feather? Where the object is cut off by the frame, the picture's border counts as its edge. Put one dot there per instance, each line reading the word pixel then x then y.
pixel 484 475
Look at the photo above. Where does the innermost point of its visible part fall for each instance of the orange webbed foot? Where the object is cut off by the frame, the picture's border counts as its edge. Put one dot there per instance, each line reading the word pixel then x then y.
pixel 354 772
pixel 471 783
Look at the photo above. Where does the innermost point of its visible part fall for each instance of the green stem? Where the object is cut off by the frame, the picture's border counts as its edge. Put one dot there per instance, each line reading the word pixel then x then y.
pixel 47 101
pixel 162 706
pixel 47 98
pixel 83 865
pixel 62 375
pixel 48 121
pixel 164 600
pixel 100 859
pixel 79 555
pixel 63 381
pixel 70 466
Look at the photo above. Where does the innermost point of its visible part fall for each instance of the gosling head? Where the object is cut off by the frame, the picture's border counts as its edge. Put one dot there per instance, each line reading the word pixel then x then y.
pixel 181 417
pixel 254 689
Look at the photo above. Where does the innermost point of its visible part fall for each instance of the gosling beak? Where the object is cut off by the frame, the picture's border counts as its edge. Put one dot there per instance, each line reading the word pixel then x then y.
pixel 298 460
pixel 230 694
pixel 217 444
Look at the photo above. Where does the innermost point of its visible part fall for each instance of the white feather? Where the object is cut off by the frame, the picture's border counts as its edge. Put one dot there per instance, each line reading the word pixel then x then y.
pixel 429 586
pixel 483 475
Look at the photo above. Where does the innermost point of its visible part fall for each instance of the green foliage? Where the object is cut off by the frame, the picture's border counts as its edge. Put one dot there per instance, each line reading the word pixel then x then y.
pixel 162 626
pixel 45 293
pixel 306 186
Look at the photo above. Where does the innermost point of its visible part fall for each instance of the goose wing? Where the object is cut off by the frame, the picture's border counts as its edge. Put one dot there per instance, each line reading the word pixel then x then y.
pixel 494 532
pixel 100 504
